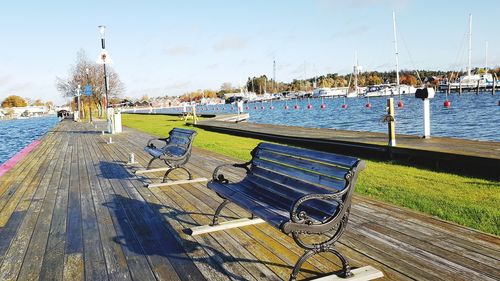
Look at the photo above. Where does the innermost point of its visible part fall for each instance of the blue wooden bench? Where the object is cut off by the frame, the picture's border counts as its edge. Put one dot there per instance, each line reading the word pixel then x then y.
pixel 175 151
pixel 299 191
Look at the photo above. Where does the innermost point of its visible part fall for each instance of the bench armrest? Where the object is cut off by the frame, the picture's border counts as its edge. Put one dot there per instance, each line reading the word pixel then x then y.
pixel 218 177
pixel 301 222
pixel 151 144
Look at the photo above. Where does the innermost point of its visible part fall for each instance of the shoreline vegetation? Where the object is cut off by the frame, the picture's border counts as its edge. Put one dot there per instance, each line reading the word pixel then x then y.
pixel 467 201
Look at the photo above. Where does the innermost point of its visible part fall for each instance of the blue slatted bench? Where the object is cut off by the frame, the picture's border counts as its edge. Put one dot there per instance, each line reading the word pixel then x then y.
pixel 302 192
pixel 175 151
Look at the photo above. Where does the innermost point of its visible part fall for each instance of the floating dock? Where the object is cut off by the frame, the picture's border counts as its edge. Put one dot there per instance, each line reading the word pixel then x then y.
pixel 477 158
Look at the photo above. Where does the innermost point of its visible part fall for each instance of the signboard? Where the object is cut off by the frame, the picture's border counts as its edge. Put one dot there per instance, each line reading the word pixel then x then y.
pixel 87 90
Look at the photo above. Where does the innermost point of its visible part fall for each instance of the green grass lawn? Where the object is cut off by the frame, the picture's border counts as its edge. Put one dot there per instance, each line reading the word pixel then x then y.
pixel 464 200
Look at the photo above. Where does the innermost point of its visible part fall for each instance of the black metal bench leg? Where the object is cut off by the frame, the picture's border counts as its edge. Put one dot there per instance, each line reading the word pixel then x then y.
pixel 150 162
pixel 165 177
pixel 346 269
pixel 215 220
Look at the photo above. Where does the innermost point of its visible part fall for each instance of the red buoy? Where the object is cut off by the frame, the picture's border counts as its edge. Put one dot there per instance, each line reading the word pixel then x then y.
pixel 309 106
pixel 231 108
pixel 344 105
pixel 447 103
pixel 296 106
pixel 286 106
pixel 322 106
pixel 401 104
pixel 263 107
pixel 255 107
pixel 368 105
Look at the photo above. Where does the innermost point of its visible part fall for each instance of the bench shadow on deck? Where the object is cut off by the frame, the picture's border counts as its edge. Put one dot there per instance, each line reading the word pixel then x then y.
pixel 72 209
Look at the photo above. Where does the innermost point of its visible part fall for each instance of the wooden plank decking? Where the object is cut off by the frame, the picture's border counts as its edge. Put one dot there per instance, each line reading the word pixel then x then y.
pixel 73 210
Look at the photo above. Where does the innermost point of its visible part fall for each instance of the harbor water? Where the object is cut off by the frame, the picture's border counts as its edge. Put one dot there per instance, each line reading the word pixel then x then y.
pixel 17 134
pixel 471 116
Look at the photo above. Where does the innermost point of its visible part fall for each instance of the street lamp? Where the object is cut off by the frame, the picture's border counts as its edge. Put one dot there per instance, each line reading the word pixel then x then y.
pixel 102 30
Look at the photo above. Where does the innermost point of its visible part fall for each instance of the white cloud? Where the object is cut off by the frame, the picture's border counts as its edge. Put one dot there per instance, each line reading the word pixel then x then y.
pixel 227 44
pixel 179 51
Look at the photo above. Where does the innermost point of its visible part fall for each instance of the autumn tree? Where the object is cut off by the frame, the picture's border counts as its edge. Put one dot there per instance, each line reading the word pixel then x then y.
pixel 14 101
pixel 38 103
pixel 95 77
pixel 408 79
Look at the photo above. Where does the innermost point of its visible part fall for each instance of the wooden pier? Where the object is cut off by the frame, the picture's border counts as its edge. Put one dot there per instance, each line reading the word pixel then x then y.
pixel 477 158
pixel 73 210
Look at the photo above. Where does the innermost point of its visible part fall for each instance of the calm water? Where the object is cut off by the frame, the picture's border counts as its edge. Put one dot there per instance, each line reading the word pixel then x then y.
pixel 470 116
pixel 16 134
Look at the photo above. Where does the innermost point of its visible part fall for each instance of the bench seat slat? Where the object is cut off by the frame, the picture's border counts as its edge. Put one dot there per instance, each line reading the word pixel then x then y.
pixel 249 196
pixel 269 213
pixel 322 180
pixel 334 159
pixel 255 191
pixel 290 195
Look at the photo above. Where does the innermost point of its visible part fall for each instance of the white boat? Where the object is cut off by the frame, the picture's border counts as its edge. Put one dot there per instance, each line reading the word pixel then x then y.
pixel 329 92
pixel 389 90
pixel 470 81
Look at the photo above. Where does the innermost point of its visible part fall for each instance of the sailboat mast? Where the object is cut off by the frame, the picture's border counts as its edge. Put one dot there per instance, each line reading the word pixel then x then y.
pixel 356 71
pixel 274 75
pixel 470 45
pixel 396 47
pixel 486 57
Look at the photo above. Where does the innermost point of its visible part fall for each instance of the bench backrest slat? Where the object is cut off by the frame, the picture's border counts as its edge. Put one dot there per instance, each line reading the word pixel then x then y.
pixel 181 137
pixel 302 171
pixel 303 163
pixel 319 156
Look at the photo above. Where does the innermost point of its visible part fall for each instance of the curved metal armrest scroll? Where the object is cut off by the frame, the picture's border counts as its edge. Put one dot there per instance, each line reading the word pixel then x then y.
pixel 300 220
pixel 218 177
pixel 151 144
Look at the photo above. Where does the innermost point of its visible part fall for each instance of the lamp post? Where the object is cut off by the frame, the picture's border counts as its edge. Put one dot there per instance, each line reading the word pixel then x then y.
pixel 102 30
pixel 104 57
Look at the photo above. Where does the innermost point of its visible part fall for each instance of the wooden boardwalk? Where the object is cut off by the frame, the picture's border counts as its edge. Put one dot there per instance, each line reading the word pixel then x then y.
pixel 72 210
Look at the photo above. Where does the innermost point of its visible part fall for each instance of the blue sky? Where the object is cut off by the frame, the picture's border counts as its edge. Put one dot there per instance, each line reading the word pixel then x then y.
pixel 170 47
